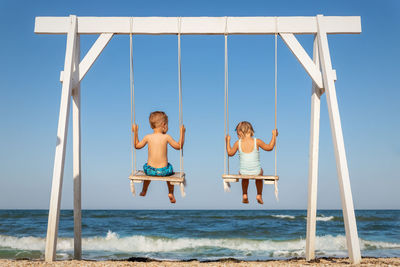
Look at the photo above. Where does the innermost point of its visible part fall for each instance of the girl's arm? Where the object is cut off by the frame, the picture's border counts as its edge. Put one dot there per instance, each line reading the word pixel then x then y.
pixel 138 144
pixel 231 150
pixel 271 145
pixel 177 145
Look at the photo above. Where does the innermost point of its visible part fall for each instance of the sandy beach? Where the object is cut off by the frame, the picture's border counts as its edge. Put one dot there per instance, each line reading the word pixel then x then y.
pixel 229 262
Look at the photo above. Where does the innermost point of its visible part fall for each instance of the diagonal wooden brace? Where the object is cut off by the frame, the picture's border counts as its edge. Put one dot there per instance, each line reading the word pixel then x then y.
pixel 91 56
pixel 303 58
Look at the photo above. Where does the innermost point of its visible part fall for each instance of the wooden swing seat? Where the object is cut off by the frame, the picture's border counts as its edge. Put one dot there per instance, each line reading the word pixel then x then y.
pixel 140 176
pixel 233 178
pixel 178 178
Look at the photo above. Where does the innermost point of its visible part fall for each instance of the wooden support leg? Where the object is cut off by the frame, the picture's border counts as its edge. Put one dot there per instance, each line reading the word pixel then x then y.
pixel 56 188
pixel 76 137
pixel 353 245
pixel 313 164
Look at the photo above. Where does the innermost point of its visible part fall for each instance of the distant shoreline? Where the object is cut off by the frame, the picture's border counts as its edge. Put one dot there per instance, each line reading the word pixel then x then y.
pixel 326 261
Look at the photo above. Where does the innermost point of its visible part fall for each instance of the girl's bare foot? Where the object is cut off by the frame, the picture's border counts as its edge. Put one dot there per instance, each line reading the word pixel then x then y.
pixel 172 198
pixel 245 199
pixel 259 199
pixel 143 193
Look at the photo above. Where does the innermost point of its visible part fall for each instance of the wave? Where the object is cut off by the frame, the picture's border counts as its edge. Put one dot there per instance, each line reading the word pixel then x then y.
pixel 325 219
pixel 292 217
pixel 112 242
pixel 284 216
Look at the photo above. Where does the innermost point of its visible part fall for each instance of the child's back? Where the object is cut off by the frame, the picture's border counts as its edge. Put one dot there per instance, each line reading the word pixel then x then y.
pixel 157 150
pixel 249 156
pixel 157 159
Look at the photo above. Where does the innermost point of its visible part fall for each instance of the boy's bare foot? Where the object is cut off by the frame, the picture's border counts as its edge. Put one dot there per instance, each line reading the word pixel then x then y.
pixel 143 193
pixel 172 198
pixel 245 199
pixel 259 199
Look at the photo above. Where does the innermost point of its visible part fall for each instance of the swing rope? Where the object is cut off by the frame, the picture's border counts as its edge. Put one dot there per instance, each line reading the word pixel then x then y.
pixel 226 117
pixel 180 93
pixel 276 89
pixel 276 103
pixel 226 108
pixel 132 86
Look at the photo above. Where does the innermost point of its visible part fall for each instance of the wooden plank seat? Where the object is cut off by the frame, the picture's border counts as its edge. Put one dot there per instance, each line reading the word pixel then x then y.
pixel 268 179
pixel 233 178
pixel 178 178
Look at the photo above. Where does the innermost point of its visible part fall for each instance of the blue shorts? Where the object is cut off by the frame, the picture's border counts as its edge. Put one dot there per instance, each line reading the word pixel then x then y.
pixel 165 171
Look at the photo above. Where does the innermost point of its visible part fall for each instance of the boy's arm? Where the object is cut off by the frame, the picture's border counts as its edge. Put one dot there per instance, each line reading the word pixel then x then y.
pixel 177 145
pixel 138 144
pixel 231 150
pixel 271 145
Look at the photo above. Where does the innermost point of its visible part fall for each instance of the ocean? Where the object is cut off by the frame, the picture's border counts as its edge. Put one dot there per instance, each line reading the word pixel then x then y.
pixel 197 234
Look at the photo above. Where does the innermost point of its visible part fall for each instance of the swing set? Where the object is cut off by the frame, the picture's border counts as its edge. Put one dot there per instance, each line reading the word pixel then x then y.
pixel 319 68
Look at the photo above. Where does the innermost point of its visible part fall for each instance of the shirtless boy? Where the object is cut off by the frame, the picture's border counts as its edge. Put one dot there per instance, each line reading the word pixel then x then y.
pixel 157 160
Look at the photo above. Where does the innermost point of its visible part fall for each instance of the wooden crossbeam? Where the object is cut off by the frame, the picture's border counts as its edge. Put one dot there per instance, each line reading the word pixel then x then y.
pixel 200 25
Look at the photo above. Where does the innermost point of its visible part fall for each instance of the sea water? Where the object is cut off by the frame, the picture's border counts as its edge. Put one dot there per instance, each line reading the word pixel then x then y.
pixel 197 234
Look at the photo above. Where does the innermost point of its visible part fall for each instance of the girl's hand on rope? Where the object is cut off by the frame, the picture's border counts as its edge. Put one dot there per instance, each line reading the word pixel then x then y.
pixel 275 132
pixel 228 139
pixel 135 128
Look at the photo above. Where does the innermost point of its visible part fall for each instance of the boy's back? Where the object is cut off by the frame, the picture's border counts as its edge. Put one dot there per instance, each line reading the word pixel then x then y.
pixel 157 149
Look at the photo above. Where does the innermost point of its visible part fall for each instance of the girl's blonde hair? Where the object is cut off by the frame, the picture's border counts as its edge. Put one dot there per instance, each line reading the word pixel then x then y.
pixel 243 128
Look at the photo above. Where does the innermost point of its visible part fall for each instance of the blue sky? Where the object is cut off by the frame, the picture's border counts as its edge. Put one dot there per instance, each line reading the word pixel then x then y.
pixel 367 90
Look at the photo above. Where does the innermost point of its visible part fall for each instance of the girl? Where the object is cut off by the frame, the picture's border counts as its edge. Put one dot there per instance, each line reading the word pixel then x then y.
pixel 249 155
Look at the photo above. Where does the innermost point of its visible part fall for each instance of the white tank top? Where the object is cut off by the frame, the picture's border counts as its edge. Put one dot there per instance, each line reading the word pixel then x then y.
pixel 249 162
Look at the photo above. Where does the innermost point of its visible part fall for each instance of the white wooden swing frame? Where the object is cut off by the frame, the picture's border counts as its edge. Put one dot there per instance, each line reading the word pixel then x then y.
pixel 319 69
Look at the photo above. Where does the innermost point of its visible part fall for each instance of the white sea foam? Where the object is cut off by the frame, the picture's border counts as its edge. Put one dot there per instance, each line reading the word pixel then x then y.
pixel 143 244
pixel 283 216
pixel 319 218
pixel 324 219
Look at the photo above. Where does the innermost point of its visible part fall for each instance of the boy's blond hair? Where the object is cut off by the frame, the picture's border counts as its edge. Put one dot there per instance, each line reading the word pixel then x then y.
pixel 243 128
pixel 157 119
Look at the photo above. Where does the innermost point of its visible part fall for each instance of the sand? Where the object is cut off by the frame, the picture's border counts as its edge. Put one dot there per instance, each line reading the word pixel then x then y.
pixel 149 263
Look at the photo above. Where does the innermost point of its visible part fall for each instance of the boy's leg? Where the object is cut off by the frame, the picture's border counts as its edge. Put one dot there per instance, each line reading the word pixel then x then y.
pixel 144 189
pixel 245 186
pixel 259 186
pixel 171 192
